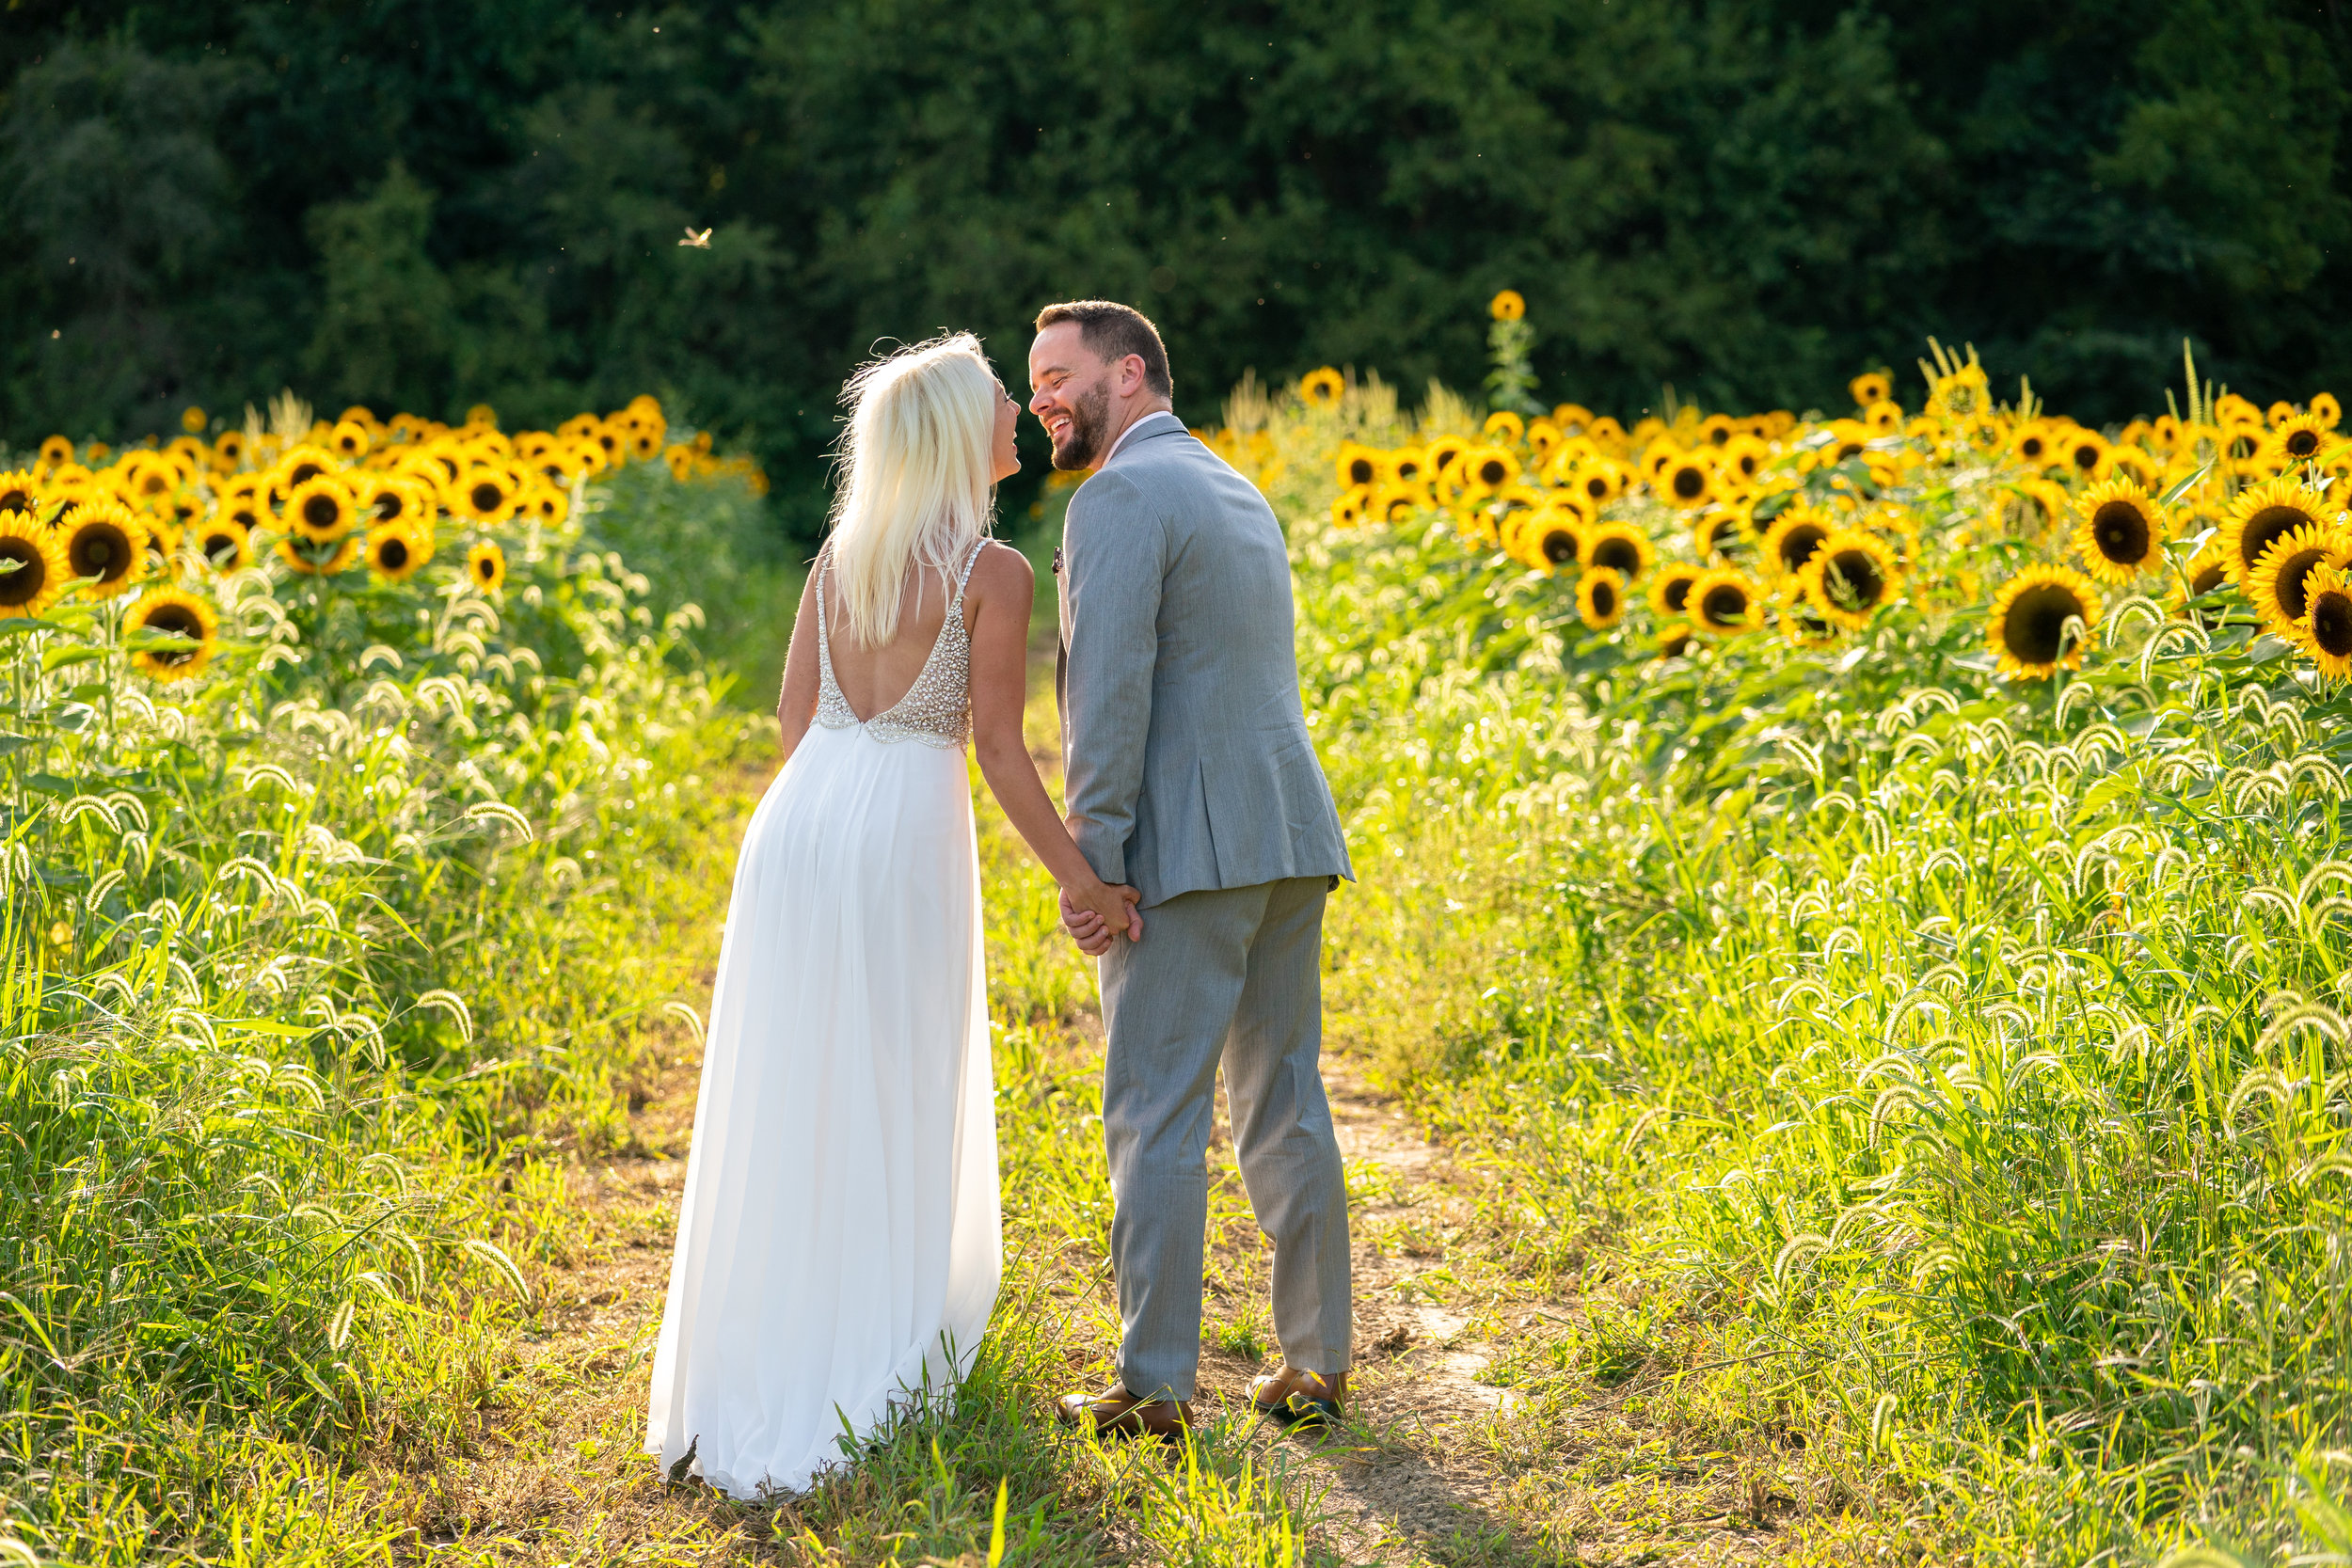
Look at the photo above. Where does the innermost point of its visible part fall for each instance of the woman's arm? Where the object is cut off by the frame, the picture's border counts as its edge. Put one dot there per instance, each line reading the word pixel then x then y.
pixel 796 706
pixel 997 601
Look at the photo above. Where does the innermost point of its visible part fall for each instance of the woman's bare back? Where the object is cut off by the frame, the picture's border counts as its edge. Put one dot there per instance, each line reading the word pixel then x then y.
pixel 875 680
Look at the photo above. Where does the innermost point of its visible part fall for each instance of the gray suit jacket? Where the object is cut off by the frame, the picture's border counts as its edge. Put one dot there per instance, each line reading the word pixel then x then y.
pixel 1186 756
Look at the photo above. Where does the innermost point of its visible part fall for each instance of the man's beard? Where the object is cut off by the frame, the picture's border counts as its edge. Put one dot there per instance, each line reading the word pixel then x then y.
pixel 1082 446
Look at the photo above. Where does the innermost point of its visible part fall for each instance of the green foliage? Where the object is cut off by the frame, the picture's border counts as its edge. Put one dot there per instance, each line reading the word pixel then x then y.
pixel 435 203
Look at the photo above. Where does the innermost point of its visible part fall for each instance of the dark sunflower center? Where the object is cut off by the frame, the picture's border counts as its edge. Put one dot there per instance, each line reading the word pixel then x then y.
pixel 1747 464
pixel 1359 471
pixel 1678 592
pixel 1492 472
pixel 2263 529
pixel 1690 481
pixel 2086 456
pixel 246 515
pixel 2241 446
pixel 1798 544
pixel 1725 605
pixel 2331 622
pixel 219 546
pixel 1604 600
pixel 16 498
pixel 486 570
pixel 2207 579
pixel 1622 554
pixel 2288 583
pixel 2034 629
pixel 2302 443
pixel 388 505
pixel 100 551
pixel 1854 576
pixel 321 512
pixel 174 620
pixel 1408 472
pixel 2122 533
pixel 1674 644
pixel 2032 447
pixel 1597 487
pixel 1559 546
pixel 487 497
pixel 23 584
pixel 392 554
pixel 155 484
pixel 302 473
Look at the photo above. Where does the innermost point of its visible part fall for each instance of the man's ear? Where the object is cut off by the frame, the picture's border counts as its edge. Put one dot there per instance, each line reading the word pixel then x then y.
pixel 1131 375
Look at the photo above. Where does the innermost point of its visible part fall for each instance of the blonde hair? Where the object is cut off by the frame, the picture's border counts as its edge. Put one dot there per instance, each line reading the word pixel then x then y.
pixel 915 484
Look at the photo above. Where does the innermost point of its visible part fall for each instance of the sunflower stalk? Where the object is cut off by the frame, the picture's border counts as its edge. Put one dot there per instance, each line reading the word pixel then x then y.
pixel 1511 383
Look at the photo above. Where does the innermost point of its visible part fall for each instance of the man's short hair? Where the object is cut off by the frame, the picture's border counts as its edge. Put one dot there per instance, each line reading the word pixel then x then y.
pixel 1114 331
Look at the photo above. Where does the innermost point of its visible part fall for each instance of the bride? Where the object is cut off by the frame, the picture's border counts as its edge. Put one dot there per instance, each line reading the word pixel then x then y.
pixel 837 1247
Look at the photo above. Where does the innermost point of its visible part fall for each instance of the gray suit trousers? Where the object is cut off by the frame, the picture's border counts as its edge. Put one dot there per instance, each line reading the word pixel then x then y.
pixel 1229 975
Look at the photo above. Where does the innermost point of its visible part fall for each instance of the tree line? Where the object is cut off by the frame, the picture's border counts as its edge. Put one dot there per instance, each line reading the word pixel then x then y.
pixel 428 203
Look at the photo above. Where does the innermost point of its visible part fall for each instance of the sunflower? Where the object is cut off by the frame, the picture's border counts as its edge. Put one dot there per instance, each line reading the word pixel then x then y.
pixel 1504 424
pixel 1871 387
pixel 321 557
pixel 1358 467
pixel 487 496
pixel 486 564
pixel 1961 396
pixel 2325 409
pixel 1507 306
pixel 2083 450
pixel 224 542
pixel 2122 530
pixel 2325 629
pixel 350 439
pixel 2299 439
pixel 1745 456
pixel 19 494
pixel 55 451
pixel 33 569
pixel 1724 601
pixel 1441 453
pixel 1600 597
pixel 1598 481
pixel 2130 462
pixel 393 552
pixel 1621 547
pixel 2032 445
pixel 1849 576
pixel 1670 589
pixel 321 510
pixel 228 451
pixel 1686 480
pixel 1553 538
pixel 1675 639
pixel 1544 436
pixel 303 465
pixel 1793 538
pixel 187 621
pixel 1489 468
pixel 2264 513
pixel 2028 629
pixel 1391 503
pixel 1348 510
pixel 105 543
pixel 395 498
pixel 1885 418
pixel 1722 533
pixel 2276 585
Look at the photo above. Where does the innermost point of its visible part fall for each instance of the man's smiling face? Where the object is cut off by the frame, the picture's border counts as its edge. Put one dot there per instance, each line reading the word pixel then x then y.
pixel 1070 393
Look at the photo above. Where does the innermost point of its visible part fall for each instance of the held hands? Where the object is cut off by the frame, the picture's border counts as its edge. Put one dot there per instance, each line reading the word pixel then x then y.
pixel 1093 915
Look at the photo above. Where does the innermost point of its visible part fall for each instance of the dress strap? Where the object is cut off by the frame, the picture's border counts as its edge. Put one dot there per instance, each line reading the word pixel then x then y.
pixel 969 562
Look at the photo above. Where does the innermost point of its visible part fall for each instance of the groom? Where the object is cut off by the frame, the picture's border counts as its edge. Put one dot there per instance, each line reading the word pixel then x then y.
pixel 1189 775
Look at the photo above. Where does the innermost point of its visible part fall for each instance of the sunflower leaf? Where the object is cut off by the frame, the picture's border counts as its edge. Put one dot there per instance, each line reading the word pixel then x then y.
pixel 2172 496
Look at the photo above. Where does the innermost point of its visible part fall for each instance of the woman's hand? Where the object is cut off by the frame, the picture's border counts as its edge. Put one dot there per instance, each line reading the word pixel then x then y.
pixel 1096 911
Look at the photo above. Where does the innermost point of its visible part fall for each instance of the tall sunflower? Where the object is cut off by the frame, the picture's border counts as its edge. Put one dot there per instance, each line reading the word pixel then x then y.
pixel 105 544
pixel 1670 589
pixel 1686 480
pixel 1724 601
pixel 2264 513
pixel 1507 306
pixel 185 621
pixel 1793 538
pixel 33 569
pixel 2276 585
pixel 1600 597
pixel 2325 629
pixel 1621 547
pixel 393 553
pixel 224 542
pixel 2027 628
pixel 1850 577
pixel 486 567
pixel 2121 530
pixel 321 510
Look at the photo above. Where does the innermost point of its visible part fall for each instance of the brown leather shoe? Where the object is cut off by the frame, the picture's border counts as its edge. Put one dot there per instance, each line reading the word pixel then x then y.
pixel 1293 1396
pixel 1116 1413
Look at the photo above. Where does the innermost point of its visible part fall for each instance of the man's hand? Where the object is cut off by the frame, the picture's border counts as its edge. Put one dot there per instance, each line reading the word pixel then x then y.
pixel 1086 929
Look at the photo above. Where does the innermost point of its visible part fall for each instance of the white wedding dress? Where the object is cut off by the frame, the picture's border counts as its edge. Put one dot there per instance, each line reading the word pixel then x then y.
pixel 838 1245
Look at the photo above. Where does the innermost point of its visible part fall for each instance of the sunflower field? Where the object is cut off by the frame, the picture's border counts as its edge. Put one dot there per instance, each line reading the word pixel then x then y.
pixel 352 775
pixel 1871 892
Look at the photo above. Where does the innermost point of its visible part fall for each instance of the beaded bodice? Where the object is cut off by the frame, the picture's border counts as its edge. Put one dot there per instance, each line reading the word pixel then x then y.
pixel 937 708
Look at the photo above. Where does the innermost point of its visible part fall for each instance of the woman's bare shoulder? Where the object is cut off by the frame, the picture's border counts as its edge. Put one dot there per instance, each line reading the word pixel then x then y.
pixel 1002 568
